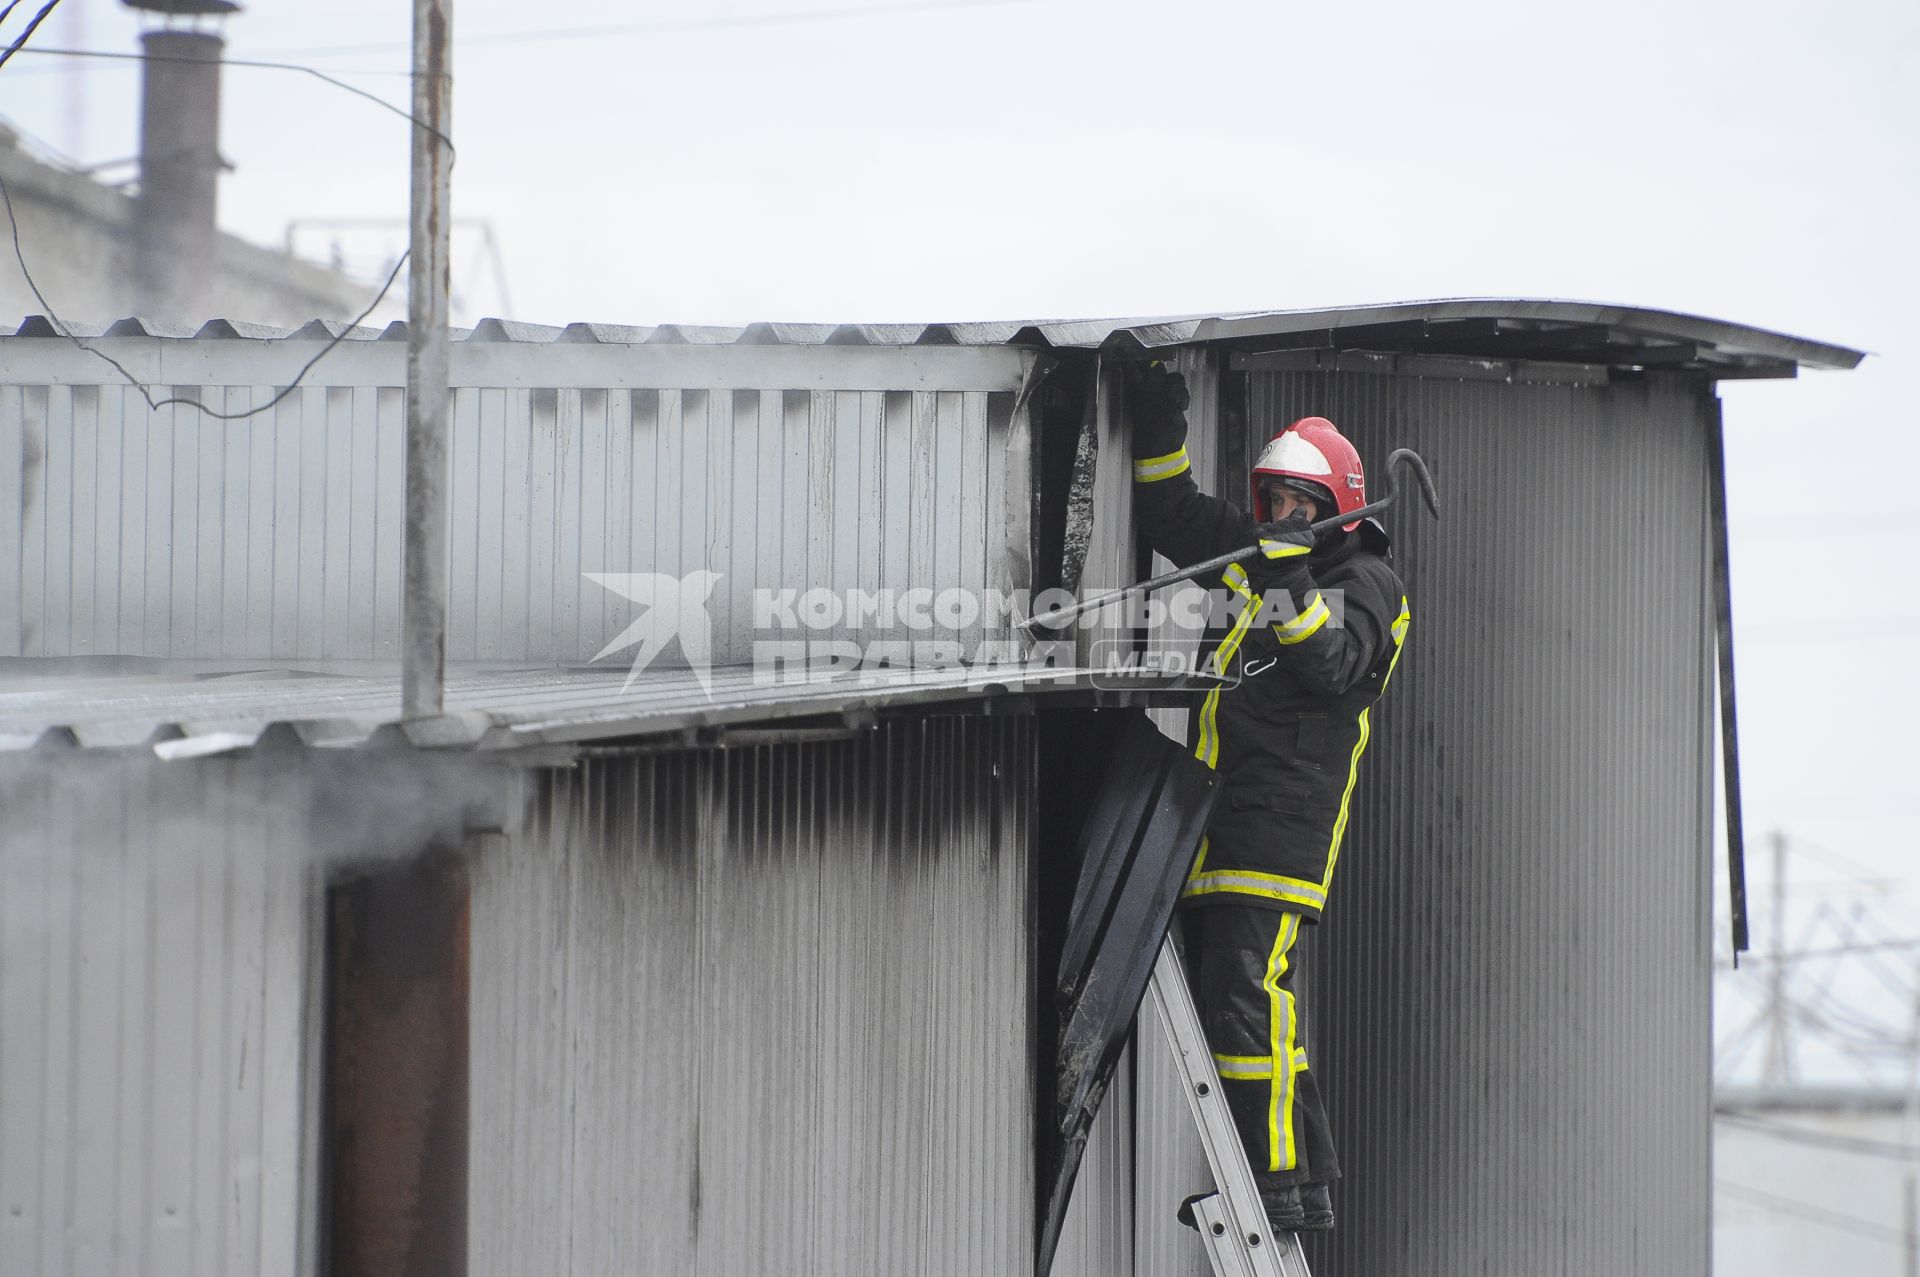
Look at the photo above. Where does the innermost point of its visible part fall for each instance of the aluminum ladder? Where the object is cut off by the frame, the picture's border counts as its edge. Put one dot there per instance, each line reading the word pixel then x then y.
pixel 1232 1222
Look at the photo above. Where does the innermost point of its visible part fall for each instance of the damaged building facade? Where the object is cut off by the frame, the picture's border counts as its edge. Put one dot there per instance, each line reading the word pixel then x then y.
pixel 755 973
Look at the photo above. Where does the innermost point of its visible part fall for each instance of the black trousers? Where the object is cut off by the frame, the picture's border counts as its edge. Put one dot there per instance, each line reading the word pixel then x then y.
pixel 1243 968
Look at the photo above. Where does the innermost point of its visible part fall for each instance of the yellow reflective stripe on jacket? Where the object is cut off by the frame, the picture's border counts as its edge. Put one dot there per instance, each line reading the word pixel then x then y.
pixel 1152 469
pixel 1401 624
pixel 1207 745
pixel 1236 578
pixel 1243 1068
pixel 1305 625
pixel 1248 882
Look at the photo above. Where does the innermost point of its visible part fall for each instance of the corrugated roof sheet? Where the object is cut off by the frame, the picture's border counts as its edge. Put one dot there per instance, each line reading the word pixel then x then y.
pixel 1493 327
pixel 191 715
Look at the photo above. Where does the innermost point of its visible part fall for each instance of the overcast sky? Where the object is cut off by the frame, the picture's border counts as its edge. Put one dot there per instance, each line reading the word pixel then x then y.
pixel 1754 161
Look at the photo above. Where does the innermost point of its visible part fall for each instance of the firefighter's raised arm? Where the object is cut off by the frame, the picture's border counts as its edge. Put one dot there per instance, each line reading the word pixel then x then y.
pixel 1330 644
pixel 1178 520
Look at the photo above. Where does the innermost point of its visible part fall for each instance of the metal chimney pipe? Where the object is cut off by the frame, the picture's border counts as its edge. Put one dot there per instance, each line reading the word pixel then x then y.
pixel 179 170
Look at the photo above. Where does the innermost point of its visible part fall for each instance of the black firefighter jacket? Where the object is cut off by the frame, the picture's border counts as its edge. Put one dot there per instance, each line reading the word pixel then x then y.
pixel 1288 737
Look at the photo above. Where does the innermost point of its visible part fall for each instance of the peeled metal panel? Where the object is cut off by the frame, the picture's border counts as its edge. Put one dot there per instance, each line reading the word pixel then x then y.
pixel 155 925
pixel 1096 1240
pixel 1140 834
pixel 761 1010
pixel 130 532
pixel 1508 1003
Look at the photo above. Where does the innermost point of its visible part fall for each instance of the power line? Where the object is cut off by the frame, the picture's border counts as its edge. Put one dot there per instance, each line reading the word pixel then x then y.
pixel 32 26
pixel 61 327
pixel 153 404
pixel 668 26
pixel 257 65
pixel 1822 1139
pixel 1816 1214
pixel 1837 951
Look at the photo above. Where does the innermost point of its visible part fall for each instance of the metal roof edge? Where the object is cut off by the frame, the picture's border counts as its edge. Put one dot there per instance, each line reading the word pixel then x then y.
pixel 1134 334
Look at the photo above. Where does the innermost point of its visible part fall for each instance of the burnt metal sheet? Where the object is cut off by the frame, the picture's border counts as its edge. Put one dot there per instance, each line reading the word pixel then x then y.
pixel 1137 842
pixel 761 1011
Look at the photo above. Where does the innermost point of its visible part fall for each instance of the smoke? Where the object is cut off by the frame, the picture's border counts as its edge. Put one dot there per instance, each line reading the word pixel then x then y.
pixel 285 809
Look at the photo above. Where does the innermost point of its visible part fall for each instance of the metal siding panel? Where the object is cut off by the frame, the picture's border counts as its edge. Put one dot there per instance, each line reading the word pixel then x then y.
pixel 744 550
pixel 151 985
pixel 489 524
pixel 13 515
pixel 867 476
pixel 109 506
pixel 633 421
pixel 843 572
pixel 787 470
pixel 973 468
pixel 542 543
pixel 593 469
pixel 257 609
pixel 1096 1238
pixel 83 424
pixel 363 524
pixel 690 496
pixel 570 531
pixel 276 538
pixel 466 499
pixel 725 495
pixel 284 583
pixel 1489 1083
pixel 391 519
pixel 130 497
pixel 236 472
pixel 209 527
pixel 783 992
pixel 308 597
pixel 924 500
pixel 897 496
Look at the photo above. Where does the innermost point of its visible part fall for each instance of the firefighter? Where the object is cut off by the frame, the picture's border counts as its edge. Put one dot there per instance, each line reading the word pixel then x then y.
pixel 1312 633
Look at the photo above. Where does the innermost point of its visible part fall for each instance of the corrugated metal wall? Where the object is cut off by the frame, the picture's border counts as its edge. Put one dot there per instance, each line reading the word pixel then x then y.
pixel 1509 1006
pixel 155 928
pixel 277 537
pixel 762 1010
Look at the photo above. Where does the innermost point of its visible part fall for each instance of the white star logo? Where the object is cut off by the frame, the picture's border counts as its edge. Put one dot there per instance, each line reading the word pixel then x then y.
pixel 673 606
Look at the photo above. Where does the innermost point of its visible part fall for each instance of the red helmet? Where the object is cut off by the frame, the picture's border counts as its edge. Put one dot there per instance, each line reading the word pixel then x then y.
pixel 1313 452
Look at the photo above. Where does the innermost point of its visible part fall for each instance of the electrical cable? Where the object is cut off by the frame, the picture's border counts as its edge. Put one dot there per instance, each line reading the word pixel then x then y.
pixel 668 26
pixel 59 326
pixel 1822 1139
pixel 32 26
pixel 1816 1214
pixel 8 11
pixel 65 330
pixel 257 65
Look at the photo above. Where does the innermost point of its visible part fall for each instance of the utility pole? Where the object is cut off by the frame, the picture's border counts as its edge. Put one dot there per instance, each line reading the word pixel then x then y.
pixel 1779 1066
pixel 398 938
pixel 423 635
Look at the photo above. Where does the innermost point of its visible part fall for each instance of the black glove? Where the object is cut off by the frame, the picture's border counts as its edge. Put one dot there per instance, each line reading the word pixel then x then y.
pixel 1157 403
pixel 1282 561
